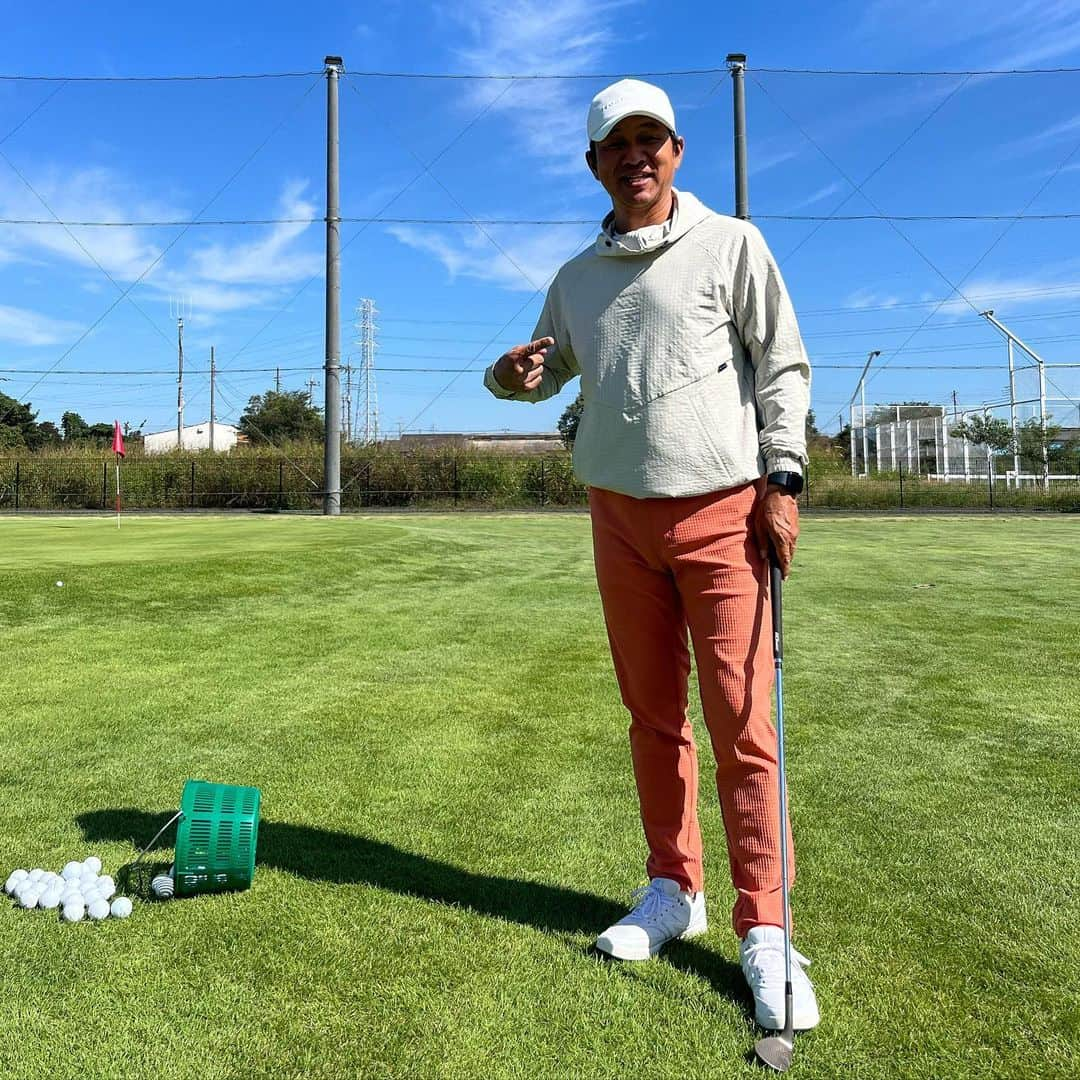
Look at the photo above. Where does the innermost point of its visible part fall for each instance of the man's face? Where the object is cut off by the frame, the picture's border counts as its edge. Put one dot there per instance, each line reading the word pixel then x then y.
pixel 636 163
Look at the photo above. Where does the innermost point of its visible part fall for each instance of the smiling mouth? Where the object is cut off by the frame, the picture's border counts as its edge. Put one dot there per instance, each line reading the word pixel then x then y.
pixel 636 178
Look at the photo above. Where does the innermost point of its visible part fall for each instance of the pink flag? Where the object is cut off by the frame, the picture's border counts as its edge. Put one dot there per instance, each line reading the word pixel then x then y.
pixel 117 439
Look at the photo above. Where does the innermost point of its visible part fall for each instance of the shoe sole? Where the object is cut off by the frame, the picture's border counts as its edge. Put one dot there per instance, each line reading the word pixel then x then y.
pixel 614 951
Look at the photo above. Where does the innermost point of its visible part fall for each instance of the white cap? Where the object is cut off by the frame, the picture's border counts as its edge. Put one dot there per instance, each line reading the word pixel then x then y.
pixel 628 97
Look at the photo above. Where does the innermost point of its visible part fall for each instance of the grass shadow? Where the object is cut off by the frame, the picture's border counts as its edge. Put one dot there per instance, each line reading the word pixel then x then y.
pixel 345 859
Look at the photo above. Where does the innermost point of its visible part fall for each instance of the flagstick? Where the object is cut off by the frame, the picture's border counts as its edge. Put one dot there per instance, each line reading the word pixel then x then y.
pixel 118 491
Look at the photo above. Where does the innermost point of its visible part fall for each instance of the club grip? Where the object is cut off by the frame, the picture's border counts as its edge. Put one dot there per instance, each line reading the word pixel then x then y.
pixel 776 599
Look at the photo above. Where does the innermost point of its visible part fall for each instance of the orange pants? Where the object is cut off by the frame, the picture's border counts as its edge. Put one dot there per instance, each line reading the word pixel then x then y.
pixel 662 565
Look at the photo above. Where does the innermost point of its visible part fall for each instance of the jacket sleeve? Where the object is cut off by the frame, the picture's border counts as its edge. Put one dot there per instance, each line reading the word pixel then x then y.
pixel 770 334
pixel 560 364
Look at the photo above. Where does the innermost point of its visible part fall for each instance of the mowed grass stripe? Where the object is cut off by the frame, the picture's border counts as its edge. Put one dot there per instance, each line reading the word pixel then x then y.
pixel 428 705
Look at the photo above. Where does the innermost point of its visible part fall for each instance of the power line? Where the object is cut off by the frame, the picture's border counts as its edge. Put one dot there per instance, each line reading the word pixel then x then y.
pixel 538 76
pixel 984 71
pixel 1067 215
pixel 159 78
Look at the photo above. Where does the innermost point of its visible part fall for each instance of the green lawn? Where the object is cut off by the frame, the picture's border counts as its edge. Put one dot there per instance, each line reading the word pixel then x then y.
pixel 428 706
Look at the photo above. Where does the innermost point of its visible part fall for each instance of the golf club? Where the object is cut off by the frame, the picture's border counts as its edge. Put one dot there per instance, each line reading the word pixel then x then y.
pixel 775 1051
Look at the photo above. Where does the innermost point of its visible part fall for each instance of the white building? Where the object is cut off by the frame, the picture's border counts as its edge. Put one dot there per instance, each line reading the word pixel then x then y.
pixel 195 437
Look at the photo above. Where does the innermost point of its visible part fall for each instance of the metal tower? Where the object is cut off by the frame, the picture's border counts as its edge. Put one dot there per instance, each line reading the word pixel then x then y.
pixel 366 327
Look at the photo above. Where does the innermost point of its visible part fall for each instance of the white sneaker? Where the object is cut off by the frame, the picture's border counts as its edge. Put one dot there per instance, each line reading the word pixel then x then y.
pixel 762 955
pixel 662 912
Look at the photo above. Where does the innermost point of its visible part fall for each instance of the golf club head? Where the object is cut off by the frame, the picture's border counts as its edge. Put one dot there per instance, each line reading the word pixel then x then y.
pixel 775 1051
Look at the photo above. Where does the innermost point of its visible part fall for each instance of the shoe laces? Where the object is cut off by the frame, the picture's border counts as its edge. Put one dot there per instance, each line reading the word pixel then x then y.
pixel 766 960
pixel 650 903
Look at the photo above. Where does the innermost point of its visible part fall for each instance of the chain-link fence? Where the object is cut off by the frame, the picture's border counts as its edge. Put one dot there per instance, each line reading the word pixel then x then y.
pixel 255 481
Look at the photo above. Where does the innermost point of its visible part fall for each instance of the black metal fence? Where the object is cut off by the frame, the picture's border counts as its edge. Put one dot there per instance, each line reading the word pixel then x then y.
pixel 263 481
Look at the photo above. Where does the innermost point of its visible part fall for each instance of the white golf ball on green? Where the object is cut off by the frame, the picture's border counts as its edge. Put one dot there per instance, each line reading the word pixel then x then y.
pixel 36 874
pixel 72 871
pixel 93 863
pixel 106 886
pixel 49 901
pixel 121 907
pixel 73 912
pixel 98 910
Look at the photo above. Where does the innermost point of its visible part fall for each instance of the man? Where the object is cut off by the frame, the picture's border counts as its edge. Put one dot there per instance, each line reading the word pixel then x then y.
pixel 695 386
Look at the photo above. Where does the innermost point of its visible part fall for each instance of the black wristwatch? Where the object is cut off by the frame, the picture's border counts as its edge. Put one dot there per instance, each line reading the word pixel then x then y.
pixel 791 482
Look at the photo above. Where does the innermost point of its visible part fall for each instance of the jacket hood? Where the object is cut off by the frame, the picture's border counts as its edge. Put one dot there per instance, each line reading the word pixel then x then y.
pixel 688 212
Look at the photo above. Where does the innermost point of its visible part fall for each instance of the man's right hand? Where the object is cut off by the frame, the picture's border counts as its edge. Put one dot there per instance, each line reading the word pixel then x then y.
pixel 522 367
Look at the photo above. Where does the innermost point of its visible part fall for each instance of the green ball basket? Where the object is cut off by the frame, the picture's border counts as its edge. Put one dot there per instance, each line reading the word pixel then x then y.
pixel 216 838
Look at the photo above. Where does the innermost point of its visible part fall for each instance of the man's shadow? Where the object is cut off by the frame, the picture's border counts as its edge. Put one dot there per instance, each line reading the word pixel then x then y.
pixel 343 859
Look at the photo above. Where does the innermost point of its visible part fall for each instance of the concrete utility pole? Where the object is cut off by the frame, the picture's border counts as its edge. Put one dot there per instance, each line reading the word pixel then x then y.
pixel 1014 340
pixel 332 415
pixel 180 383
pixel 213 376
pixel 737 66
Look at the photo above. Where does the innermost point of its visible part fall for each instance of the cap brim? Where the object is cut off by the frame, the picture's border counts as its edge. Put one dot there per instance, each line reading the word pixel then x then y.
pixel 604 130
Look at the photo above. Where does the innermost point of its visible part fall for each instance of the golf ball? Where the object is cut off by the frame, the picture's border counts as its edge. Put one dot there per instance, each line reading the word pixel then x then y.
pixel 49 901
pixel 121 907
pixel 72 871
pixel 93 863
pixel 36 874
pixel 28 898
pixel 99 909
pixel 14 881
pixel 59 584
pixel 163 886
pixel 73 912
pixel 106 886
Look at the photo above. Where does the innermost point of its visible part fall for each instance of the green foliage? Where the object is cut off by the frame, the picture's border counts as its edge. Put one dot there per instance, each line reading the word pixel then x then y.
pixel 17 425
pixel 568 422
pixel 74 427
pixel 281 416
pixel 985 430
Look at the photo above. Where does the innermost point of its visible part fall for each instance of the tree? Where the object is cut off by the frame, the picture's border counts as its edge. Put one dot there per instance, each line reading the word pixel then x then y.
pixel 49 433
pixel 74 427
pixel 17 426
pixel 988 431
pixel 568 422
pixel 280 417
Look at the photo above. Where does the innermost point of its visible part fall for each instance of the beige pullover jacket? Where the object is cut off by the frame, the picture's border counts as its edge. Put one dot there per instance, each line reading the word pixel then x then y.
pixel 693 373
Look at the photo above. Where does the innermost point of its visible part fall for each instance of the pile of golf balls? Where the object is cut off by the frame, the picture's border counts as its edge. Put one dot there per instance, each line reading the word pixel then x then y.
pixel 79 891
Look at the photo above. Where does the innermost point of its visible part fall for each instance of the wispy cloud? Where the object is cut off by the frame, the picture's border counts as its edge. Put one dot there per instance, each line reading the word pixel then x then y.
pixel 1049 136
pixel 870 298
pixel 90 194
pixel 469 254
pixel 816 196
pixel 23 327
pixel 556 36
pixel 217 276
pixel 1002 36
pixel 1016 292
pixel 270 260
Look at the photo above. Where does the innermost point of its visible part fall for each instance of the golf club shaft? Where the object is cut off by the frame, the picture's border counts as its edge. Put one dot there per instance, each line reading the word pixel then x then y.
pixel 776 597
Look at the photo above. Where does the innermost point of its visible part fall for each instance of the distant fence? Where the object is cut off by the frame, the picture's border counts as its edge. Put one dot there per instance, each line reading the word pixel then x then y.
pixel 273 482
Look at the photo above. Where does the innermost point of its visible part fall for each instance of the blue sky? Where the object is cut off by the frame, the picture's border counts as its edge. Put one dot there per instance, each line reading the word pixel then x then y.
pixel 454 296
